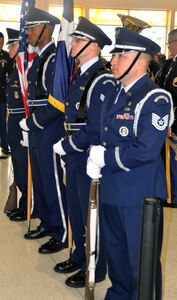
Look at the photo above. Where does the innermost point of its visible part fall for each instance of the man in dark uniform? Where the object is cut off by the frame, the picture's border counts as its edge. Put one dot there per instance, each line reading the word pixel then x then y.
pixel 134 123
pixel 81 118
pixel 6 65
pixel 170 84
pixel 47 173
pixel 16 112
pixel 160 76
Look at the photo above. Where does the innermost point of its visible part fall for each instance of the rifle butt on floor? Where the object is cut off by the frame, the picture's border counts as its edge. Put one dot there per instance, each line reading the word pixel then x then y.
pixel 149 248
pixel 92 222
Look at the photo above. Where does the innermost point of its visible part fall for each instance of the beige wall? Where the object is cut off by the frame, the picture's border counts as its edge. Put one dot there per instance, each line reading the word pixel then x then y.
pixel 116 4
pixel 148 4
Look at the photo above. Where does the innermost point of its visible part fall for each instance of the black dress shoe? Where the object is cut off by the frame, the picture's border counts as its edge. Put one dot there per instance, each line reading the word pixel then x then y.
pixel 18 216
pixel 6 151
pixel 166 204
pixel 78 280
pixel 3 156
pixel 39 233
pixel 52 246
pixel 67 266
pixel 14 211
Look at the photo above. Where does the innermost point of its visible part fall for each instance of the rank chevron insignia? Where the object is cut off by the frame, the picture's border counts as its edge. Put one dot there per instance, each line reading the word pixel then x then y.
pixel 158 122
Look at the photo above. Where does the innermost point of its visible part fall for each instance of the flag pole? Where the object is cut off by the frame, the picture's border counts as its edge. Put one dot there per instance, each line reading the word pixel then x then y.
pixel 29 194
pixel 22 64
pixel 167 162
pixel 63 73
pixel 70 238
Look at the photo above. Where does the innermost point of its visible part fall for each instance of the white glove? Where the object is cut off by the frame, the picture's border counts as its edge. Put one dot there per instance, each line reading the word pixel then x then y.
pixel 62 163
pixel 97 155
pixel 24 142
pixel 93 171
pixel 58 148
pixel 23 125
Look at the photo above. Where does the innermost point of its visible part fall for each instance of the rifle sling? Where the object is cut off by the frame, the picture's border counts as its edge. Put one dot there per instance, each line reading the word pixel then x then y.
pixel 82 106
pixel 39 75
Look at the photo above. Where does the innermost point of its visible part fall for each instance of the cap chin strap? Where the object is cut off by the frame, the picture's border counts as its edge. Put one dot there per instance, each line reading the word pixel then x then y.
pixel 76 56
pixel 15 55
pixel 131 66
pixel 39 37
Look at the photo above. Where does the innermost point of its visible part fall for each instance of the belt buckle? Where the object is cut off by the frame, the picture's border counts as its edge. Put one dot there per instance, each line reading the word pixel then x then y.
pixel 67 126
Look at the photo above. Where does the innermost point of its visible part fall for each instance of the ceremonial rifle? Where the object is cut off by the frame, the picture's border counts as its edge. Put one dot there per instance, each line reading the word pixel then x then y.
pixel 91 237
pixel 152 210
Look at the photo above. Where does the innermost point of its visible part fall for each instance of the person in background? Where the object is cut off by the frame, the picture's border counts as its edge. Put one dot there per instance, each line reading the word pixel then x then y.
pixel 161 59
pixel 6 66
pixel 82 113
pixel 16 112
pixel 47 173
pixel 170 84
pixel 135 119
pixel 153 69
pixel 160 76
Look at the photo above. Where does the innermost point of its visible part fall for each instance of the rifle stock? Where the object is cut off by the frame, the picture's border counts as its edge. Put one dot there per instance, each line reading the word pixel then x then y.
pixel 11 203
pixel 91 240
pixel 149 248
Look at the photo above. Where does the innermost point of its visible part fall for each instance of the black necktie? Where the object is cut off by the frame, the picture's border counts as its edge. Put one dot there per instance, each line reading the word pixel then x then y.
pixel 122 92
pixel 78 73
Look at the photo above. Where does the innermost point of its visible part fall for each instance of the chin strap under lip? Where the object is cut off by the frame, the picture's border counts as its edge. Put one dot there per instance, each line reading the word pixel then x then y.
pixel 76 56
pixel 131 66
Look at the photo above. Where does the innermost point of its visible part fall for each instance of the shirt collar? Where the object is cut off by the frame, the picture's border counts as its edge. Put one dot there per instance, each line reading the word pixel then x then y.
pixel 88 64
pixel 40 51
pixel 127 88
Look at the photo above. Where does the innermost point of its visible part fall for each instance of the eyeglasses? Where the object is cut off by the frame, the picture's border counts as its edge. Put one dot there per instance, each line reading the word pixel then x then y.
pixel 171 42
pixel 78 40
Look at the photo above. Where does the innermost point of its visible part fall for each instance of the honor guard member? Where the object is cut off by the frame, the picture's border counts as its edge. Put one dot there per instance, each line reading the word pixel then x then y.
pixel 170 85
pixel 81 118
pixel 47 173
pixel 16 112
pixel 134 123
pixel 6 66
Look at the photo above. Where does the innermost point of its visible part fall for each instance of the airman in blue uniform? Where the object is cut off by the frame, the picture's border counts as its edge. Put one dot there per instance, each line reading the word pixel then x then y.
pixel 16 112
pixel 47 173
pixel 82 113
pixel 134 123
pixel 6 66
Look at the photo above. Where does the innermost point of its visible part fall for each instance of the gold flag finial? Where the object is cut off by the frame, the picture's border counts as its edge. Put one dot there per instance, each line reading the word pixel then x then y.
pixel 133 23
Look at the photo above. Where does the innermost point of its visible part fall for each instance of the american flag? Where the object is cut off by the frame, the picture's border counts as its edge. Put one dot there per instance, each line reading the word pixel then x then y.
pixel 25 56
pixel 64 63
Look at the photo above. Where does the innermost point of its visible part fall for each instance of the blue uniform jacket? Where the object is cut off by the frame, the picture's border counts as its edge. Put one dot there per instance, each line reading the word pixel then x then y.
pixel 82 139
pixel 38 110
pixel 133 131
pixel 6 67
pixel 13 92
pixel 15 108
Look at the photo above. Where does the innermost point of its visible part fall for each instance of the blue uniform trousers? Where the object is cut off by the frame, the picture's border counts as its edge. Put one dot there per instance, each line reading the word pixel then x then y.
pixel 48 184
pixel 19 157
pixel 119 228
pixel 3 126
pixel 78 189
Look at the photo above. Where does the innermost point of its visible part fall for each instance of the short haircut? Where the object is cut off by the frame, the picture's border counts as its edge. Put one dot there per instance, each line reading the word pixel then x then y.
pixel 173 33
pixel 1 35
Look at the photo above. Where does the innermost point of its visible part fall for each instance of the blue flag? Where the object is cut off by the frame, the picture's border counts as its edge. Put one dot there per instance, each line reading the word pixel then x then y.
pixel 64 63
